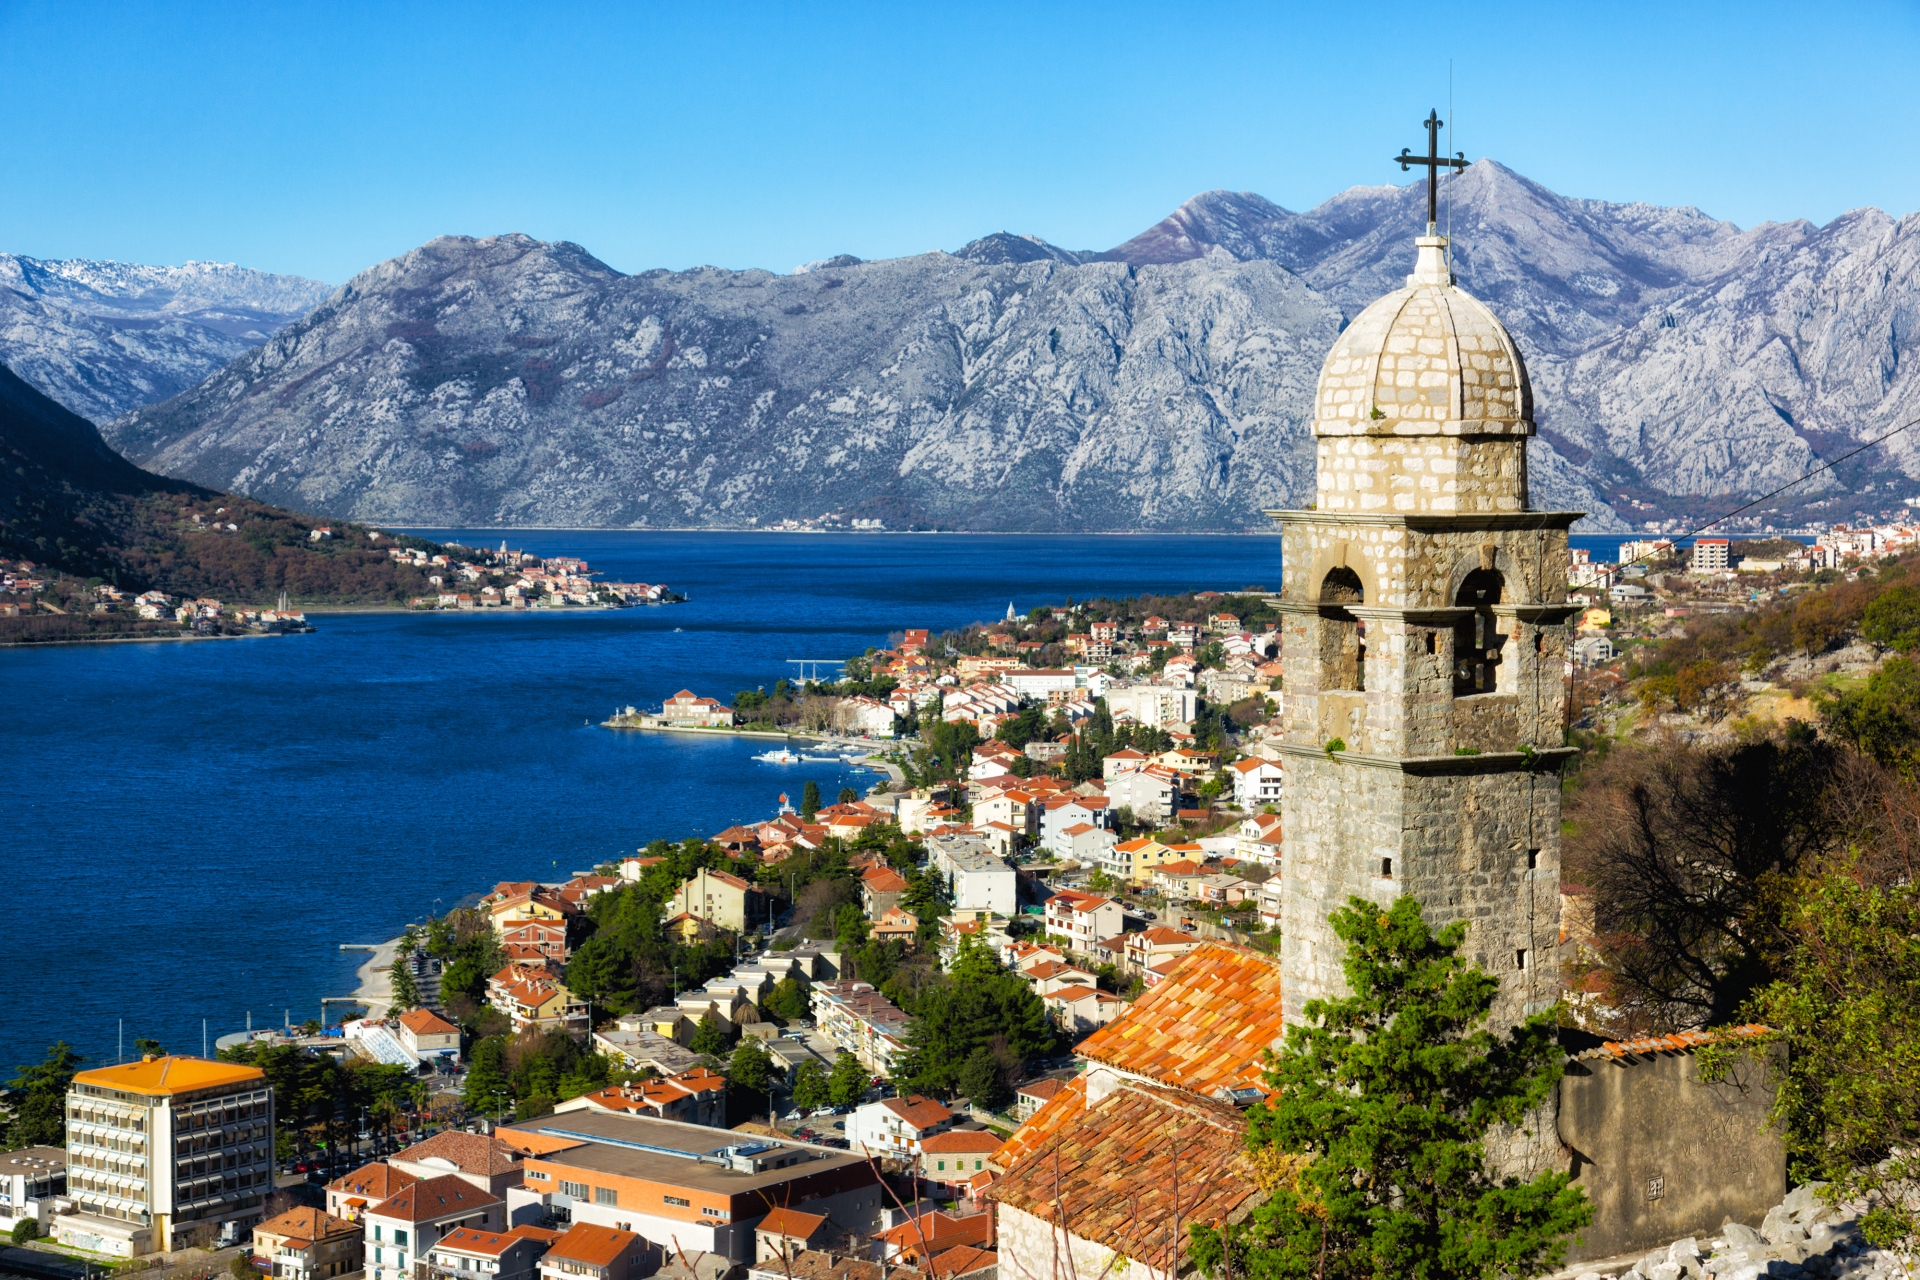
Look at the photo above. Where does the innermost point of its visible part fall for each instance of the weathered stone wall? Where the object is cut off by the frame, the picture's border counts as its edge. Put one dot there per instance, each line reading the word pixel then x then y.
pixel 1031 1248
pixel 1476 840
pixel 1662 1155
pixel 1414 563
pixel 1440 474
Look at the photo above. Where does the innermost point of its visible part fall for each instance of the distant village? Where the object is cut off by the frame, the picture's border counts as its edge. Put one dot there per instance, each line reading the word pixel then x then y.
pixel 714 1060
pixel 469 578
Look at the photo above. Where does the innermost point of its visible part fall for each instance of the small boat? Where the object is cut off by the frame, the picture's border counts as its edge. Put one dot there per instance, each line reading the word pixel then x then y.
pixel 781 756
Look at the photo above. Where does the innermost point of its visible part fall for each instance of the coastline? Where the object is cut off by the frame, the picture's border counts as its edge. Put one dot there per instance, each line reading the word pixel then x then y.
pixel 376 979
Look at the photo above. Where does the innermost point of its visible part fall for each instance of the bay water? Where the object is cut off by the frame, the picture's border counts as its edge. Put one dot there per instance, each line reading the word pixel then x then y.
pixel 192 829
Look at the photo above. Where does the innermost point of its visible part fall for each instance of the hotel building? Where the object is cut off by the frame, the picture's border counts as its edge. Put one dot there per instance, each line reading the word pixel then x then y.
pixel 163 1152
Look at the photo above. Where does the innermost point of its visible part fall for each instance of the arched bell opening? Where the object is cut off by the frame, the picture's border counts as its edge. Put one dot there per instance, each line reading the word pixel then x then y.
pixel 1343 641
pixel 1477 641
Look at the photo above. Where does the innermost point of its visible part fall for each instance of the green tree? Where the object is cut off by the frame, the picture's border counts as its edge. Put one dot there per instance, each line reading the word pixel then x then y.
pixel 486 1077
pixel 981 1079
pixel 406 992
pixel 788 1000
pixel 810 800
pixel 848 795
pixel 1880 719
pixel 1383 1101
pixel 710 1037
pixel 40 1099
pixel 25 1230
pixel 241 1268
pixel 1893 620
pixel 811 1089
pixel 978 1004
pixel 143 1047
pixel 1848 1016
pixel 750 1068
pixel 847 1083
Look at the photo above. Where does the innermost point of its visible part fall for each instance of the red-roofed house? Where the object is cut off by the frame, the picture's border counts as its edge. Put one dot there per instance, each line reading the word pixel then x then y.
pixel 588 1252
pixel 403 1228
pixel 698 1096
pixel 683 708
pixel 880 890
pixel 950 1159
pixel 307 1244
pixel 896 1126
pixel 429 1035
pixel 350 1194
pixel 1151 946
pixel 498 1255
pixel 785 1233
pixel 914 1242
pixel 1079 1010
pixel 1083 918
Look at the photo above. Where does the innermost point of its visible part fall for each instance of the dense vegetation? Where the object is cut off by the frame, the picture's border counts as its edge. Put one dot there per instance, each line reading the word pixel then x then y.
pixel 69 502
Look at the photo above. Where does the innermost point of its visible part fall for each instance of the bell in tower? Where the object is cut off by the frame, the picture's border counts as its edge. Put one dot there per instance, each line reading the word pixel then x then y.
pixel 1424 613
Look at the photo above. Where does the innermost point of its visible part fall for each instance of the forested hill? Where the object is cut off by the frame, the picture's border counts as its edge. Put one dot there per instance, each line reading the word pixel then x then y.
pixel 69 503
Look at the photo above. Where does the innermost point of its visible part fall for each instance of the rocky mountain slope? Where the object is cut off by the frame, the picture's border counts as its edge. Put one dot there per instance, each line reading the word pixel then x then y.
pixel 1679 362
pixel 105 337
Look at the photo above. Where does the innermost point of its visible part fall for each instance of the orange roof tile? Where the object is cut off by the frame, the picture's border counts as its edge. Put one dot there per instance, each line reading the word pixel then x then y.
pixel 960 1142
pixel 1110 1170
pixel 375 1181
pixel 164 1077
pixel 792 1222
pixel 425 1022
pixel 1203 1027
pixel 595 1246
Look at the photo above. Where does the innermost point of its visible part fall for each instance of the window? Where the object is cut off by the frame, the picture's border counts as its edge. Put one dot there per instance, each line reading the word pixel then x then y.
pixel 1476 642
pixel 537 1175
pixel 399 1236
pixel 1533 859
pixel 605 1195
pixel 1343 646
pixel 1520 958
pixel 376 1231
pixel 578 1190
pixel 1386 867
pixel 943 1166
pixel 681 1201
pixel 714 1213
pixel 976 1164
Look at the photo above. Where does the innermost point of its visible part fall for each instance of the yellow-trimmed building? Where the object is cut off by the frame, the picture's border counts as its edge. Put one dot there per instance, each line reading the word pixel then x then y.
pixel 163 1153
pixel 1134 861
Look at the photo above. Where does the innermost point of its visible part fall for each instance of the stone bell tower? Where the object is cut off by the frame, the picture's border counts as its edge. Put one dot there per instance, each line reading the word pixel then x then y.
pixel 1424 608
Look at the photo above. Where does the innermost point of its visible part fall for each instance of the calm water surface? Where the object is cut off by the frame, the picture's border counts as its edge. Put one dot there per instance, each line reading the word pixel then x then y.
pixel 194 828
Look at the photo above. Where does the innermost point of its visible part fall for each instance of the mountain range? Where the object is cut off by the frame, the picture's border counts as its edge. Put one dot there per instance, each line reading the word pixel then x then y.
pixel 102 338
pixel 1680 364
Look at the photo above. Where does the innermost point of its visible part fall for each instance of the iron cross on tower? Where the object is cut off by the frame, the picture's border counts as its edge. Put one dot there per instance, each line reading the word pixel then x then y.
pixel 1434 162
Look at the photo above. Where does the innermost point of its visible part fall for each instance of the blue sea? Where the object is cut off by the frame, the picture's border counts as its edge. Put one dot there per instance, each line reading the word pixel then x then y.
pixel 193 829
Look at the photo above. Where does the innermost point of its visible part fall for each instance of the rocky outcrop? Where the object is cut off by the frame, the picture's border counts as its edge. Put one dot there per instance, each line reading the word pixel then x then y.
pixel 1679 364
pixel 105 337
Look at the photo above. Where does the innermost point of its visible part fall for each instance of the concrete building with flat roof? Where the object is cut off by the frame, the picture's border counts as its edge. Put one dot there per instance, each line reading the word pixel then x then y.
pixel 683 1187
pixel 30 1178
pixel 163 1152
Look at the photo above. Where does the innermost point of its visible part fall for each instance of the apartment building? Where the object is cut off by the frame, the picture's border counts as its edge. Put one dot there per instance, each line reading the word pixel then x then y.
pixel 1083 919
pixel 721 900
pixel 162 1153
pixel 978 879
pixel 402 1230
pixel 857 1018
pixel 467 1253
pixel 30 1178
pixel 683 1187
pixel 307 1244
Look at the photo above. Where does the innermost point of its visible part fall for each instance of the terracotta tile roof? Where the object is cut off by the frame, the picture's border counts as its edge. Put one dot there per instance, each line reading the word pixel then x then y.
pixel 960 1142
pixel 1203 1027
pixel 309 1224
pixel 963 1260
pixel 1074 995
pixel 792 1222
pixel 595 1246
pixel 885 880
pixel 434 1198
pixel 812 1264
pixel 1678 1042
pixel 374 1181
pixel 469 1152
pixel 932 1234
pixel 1108 1170
pixel 490 1244
pixel 1045 1090
pixel 917 1111
pixel 425 1022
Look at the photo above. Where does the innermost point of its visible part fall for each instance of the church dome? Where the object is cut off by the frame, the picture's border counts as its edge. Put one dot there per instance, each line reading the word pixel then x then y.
pixel 1428 359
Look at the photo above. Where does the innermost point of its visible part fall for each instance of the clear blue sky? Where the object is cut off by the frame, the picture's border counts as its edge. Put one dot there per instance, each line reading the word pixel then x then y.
pixel 320 139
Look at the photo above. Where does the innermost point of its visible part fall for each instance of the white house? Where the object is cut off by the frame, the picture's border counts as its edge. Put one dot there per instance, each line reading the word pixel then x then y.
pixel 896 1126
pixel 1256 782
pixel 1153 793
pixel 869 717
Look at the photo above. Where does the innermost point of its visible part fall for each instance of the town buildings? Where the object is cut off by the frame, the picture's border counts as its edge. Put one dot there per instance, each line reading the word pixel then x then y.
pixel 855 1017
pixel 31 1178
pixel 307 1244
pixel 469 1253
pixel 683 1187
pixel 896 1126
pixel 687 710
pixel 164 1152
pixel 723 900
pixel 401 1231
pixel 591 1252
